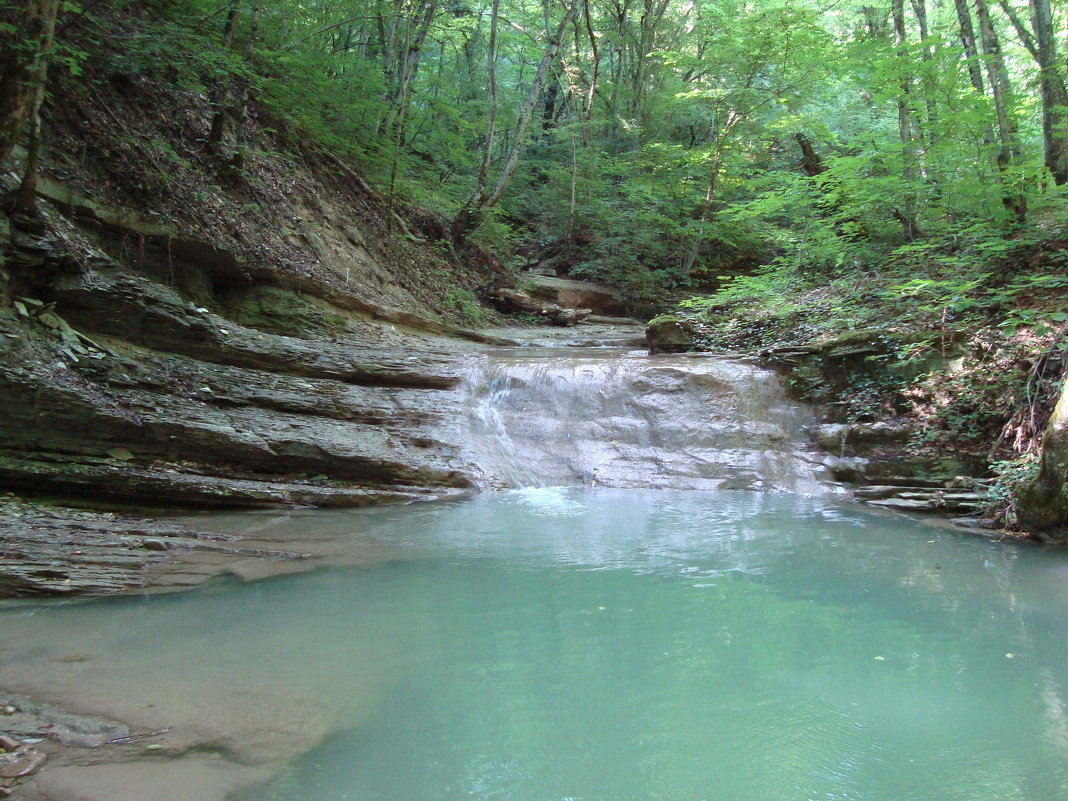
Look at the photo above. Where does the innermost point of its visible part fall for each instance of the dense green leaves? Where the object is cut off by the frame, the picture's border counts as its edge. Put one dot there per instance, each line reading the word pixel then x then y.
pixel 672 142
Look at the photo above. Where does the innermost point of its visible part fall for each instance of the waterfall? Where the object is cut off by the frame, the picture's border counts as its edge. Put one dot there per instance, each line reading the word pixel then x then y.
pixel 537 419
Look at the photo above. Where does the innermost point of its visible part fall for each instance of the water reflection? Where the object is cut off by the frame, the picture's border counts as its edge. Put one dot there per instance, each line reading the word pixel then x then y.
pixel 614 645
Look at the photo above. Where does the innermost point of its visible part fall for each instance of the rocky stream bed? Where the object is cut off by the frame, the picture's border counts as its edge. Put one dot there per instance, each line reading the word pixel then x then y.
pixel 140 406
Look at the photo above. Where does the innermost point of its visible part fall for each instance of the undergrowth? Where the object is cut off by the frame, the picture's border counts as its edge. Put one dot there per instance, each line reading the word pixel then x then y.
pixel 980 330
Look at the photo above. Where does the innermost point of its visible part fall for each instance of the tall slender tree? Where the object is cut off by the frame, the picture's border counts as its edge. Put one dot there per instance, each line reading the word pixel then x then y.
pixel 479 202
pixel 1009 153
pixel 906 213
pixel 220 99
pixel 1054 96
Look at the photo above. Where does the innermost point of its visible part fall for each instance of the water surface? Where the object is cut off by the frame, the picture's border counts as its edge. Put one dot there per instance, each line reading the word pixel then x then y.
pixel 599 645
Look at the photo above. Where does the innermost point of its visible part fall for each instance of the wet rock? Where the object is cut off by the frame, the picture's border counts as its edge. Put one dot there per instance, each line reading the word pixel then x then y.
pixel 831 436
pixel 920 499
pixel 22 763
pixel 673 421
pixel 600 319
pixel 154 545
pixel 145 313
pixel 59 550
pixel 251 420
pixel 850 469
pixel 9 743
pixel 839 436
pixel 175 486
pixel 905 505
pixel 668 334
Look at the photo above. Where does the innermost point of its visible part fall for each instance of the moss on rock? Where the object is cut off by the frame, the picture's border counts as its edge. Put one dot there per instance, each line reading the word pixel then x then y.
pixel 1043 504
pixel 669 334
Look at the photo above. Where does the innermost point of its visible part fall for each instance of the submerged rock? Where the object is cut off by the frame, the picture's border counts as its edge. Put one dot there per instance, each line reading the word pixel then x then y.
pixel 23 762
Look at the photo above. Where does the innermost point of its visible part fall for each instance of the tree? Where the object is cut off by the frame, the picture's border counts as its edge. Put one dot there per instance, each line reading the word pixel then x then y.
pixel 25 48
pixel 1054 96
pixel 1009 154
pixel 221 93
pixel 906 214
pixel 482 199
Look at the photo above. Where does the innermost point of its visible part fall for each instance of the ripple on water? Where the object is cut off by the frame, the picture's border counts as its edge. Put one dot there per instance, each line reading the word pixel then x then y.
pixel 597 645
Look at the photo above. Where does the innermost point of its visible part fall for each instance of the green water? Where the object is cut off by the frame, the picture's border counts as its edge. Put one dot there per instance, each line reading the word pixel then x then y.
pixel 570 645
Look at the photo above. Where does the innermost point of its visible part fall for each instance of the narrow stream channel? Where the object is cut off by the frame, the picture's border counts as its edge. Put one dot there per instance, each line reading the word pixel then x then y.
pixel 599 641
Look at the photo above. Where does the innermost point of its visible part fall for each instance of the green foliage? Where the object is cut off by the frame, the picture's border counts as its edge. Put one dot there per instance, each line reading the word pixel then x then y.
pixel 771 286
pixel 679 172
pixel 466 306
pixel 1011 477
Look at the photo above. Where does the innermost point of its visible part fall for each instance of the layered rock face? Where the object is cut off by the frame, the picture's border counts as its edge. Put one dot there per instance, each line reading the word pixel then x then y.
pixel 118 386
pixel 174 404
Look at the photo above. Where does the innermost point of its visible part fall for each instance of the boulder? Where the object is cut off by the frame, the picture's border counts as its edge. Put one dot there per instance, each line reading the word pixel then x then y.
pixel 668 334
pixel 512 300
pixel 568 294
pixel 1043 504
pixel 884 433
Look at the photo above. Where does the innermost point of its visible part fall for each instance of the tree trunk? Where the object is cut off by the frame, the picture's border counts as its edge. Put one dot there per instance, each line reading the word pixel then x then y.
pixel 1054 96
pixel 479 203
pixel 404 63
pixel 811 163
pixel 708 208
pixel 241 121
pixel 907 213
pixel 920 9
pixel 23 50
pixel 1009 154
pixel 26 197
pixel 971 52
pixel 221 94
pixel 1043 504
pixel 548 114
pixel 491 105
pixel 1027 39
pixel 975 76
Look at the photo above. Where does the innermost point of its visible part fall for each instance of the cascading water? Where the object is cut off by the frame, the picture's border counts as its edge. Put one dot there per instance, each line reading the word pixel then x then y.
pixel 538 419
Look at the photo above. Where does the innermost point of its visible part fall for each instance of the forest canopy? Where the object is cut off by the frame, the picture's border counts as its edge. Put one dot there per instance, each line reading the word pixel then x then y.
pixel 655 144
pixel 663 140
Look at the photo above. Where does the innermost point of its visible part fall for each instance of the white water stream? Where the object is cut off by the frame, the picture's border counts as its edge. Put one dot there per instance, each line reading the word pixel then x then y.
pixel 605 418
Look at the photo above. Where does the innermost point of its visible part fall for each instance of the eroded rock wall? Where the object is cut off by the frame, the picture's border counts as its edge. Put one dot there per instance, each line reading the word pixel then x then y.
pixel 124 382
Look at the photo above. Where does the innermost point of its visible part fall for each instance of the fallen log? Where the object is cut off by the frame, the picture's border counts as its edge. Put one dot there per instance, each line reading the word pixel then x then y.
pixel 511 300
